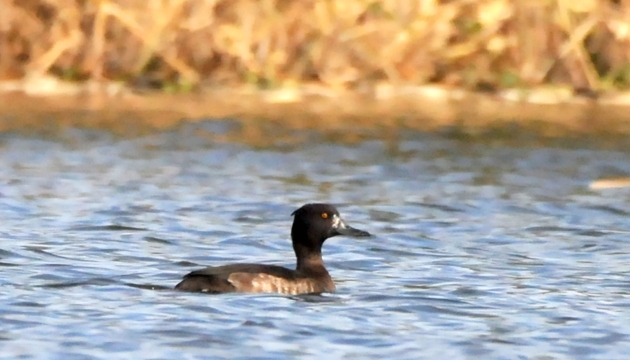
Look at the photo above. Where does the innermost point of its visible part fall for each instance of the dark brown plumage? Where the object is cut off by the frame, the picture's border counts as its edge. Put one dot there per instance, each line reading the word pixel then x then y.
pixel 312 225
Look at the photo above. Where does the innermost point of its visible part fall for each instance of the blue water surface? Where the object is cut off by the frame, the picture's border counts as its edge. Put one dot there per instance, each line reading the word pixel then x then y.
pixel 489 249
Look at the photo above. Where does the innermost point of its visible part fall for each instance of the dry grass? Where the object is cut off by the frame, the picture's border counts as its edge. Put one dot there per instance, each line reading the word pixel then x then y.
pixel 341 43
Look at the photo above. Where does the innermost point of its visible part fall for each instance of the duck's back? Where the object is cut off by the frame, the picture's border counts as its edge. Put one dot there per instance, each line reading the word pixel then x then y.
pixel 255 278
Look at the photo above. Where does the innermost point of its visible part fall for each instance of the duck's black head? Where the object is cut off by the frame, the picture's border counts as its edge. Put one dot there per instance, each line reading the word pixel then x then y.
pixel 313 224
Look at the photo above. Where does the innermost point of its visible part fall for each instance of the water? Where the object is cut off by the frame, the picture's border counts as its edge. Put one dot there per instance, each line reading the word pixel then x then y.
pixel 482 249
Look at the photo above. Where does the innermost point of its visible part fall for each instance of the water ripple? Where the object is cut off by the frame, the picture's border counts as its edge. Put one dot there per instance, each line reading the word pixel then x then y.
pixel 481 249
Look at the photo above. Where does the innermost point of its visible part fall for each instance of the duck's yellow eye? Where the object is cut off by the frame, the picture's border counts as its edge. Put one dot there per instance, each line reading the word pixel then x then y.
pixel 324 215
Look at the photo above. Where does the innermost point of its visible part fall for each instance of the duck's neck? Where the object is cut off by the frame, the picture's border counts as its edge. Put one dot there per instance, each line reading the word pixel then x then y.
pixel 311 265
pixel 309 260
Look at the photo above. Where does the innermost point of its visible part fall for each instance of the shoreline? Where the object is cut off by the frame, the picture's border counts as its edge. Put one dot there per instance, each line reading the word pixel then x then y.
pixel 545 110
pixel 272 117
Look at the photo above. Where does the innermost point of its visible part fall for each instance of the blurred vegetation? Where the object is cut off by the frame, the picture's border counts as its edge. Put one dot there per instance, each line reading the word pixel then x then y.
pixel 181 44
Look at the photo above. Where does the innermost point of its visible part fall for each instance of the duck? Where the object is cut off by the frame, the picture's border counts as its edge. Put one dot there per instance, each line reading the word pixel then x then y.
pixel 313 224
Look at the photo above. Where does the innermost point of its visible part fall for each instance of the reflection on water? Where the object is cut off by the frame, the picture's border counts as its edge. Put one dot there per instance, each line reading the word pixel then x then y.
pixel 493 249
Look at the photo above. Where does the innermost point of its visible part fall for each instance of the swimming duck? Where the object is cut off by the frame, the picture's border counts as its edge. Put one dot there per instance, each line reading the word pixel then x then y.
pixel 312 225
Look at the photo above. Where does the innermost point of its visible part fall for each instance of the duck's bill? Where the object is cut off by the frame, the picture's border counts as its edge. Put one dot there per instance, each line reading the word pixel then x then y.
pixel 350 231
pixel 341 228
